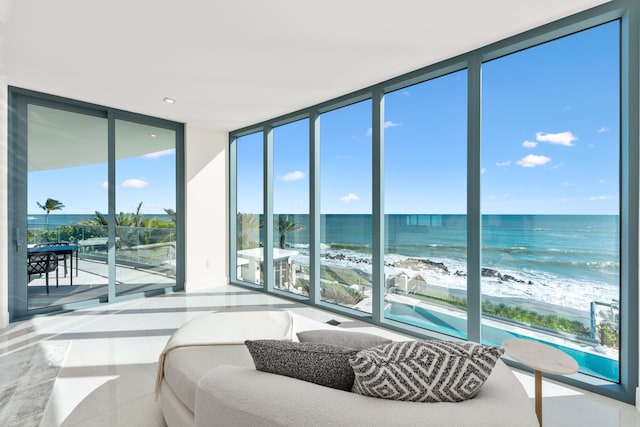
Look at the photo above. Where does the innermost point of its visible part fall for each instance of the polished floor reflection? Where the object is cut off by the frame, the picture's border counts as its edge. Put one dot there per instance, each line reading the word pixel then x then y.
pixel 97 366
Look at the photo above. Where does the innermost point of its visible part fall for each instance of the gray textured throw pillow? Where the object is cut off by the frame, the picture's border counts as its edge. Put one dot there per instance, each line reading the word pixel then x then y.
pixel 351 339
pixel 323 364
pixel 424 371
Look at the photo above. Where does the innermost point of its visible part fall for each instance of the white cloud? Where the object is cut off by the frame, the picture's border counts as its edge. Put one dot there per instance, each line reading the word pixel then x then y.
pixel 349 198
pixel 134 183
pixel 159 154
pixel 483 170
pixel 568 184
pixel 531 161
pixel 601 198
pixel 604 129
pixel 602 181
pixel 293 176
pixel 105 185
pixel 501 164
pixel 387 124
pixel 562 138
pixel 529 144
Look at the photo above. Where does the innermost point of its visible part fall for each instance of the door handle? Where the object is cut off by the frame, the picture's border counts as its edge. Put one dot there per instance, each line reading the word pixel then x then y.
pixel 17 238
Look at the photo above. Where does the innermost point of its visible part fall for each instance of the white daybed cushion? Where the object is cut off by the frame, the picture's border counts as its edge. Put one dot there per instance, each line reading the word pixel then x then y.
pixel 237 396
pixel 213 339
pixel 184 367
pixel 173 410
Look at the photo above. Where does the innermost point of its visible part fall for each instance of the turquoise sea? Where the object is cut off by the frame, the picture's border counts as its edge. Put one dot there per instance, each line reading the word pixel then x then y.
pixel 568 260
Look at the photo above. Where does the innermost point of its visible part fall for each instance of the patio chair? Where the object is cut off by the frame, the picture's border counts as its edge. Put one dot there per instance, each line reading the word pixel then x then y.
pixel 61 257
pixel 42 263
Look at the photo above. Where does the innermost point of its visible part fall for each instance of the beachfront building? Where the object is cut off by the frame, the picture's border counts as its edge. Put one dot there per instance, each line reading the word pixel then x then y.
pixel 251 266
pixel 415 144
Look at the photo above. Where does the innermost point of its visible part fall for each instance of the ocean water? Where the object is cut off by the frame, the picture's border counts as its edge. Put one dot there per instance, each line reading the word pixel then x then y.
pixel 566 260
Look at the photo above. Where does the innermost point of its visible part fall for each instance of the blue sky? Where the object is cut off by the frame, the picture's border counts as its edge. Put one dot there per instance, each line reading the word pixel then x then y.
pixel 550 140
pixel 149 179
pixel 550 137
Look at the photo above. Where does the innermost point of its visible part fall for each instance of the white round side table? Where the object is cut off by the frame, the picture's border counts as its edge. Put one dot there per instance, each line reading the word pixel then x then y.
pixel 541 358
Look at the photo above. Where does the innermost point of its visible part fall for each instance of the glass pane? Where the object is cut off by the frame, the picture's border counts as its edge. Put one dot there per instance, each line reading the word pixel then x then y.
pixel 425 189
pixel 345 199
pixel 250 208
pixel 67 161
pixel 145 206
pixel 291 207
pixel 550 197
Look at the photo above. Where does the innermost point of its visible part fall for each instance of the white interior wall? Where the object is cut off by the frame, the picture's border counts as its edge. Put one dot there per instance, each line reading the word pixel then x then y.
pixel 207 201
pixel 4 212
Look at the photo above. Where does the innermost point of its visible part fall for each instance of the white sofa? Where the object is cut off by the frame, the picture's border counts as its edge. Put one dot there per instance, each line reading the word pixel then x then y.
pixel 207 377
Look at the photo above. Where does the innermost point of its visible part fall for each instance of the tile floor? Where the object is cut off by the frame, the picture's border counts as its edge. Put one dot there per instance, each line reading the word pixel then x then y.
pixel 106 377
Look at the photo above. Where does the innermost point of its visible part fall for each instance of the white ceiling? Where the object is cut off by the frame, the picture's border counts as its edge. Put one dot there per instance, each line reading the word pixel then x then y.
pixel 232 63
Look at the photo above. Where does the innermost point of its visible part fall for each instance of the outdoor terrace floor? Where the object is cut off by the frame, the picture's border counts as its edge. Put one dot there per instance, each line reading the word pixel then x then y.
pixel 91 283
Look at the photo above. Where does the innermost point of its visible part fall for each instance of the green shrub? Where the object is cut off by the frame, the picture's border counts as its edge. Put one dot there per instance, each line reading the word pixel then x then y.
pixel 333 291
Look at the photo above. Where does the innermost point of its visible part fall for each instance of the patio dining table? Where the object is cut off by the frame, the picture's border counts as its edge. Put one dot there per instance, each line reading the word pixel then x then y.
pixel 58 250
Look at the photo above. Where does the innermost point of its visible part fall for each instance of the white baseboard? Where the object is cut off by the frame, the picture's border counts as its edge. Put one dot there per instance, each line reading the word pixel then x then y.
pixel 212 282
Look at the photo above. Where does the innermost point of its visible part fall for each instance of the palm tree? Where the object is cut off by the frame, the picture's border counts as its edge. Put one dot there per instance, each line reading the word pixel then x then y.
pixel 50 205
pixel 172 214
pixel 285 226
pixel 247 224
pixel 122 219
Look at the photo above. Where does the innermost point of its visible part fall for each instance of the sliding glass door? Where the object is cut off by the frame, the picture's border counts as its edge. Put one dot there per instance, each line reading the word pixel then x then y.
pixel 66 167
pixel 94 209
pixel 146 207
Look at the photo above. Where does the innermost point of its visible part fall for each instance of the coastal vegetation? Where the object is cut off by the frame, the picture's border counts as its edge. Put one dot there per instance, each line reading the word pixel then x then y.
pixel 339 293
pixel 248 226
pixel 133 228
pixel 607 336
pixel 335 287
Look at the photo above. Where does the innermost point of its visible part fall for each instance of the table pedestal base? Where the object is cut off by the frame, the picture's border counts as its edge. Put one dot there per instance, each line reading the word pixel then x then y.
pixel 538 375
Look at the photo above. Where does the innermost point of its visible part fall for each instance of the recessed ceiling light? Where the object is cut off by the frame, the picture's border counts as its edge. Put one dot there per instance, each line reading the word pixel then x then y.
pixel 169 100
pixel 152 135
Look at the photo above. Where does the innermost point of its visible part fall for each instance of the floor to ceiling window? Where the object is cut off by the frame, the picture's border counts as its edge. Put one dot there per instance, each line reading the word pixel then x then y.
pixel 425 179
pixel 345 200
pixel 249 200
pixel 498 198
pixel 551 196
pixel 73 167
pixel 291 207
pixel 61 147
pixel 145 206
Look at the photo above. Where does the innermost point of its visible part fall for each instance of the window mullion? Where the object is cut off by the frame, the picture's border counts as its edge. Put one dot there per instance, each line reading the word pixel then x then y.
pixel 474 264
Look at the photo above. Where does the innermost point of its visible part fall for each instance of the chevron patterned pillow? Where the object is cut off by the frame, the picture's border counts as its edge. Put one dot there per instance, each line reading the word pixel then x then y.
pixel 424 371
